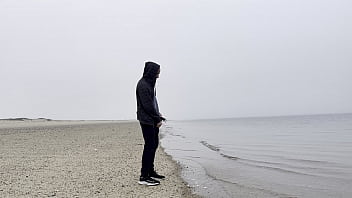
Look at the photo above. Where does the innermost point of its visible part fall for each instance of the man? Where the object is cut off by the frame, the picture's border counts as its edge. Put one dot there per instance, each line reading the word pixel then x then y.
pixel 150 121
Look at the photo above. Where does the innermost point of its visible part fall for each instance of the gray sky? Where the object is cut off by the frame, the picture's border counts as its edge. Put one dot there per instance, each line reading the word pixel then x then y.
pixel 81 59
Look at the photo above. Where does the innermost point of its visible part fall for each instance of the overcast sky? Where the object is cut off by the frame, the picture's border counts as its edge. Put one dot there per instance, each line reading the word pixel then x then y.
pixel 81 59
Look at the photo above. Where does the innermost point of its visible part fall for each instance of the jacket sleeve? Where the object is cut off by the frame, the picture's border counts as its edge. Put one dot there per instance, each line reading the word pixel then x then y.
pixel 146 99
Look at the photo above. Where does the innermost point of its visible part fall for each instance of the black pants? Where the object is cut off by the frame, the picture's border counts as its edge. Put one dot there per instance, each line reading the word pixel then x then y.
pixel 151 142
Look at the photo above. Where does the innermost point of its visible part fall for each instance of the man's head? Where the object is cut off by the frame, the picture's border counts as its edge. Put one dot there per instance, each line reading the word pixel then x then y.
pixel 151 70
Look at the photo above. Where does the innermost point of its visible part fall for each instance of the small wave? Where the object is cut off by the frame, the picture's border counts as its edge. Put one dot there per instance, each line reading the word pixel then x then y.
pixel 282 155
pixel 251 188
pixel 193 157
pixel 269 163
pixel 259 164
pixel 229 157
pixel 182 149
pixel 179 136
pixel 309 161
pixel 253 163
pixel 282 167
pixel 176 135
pixel 275 168
pixel 211 147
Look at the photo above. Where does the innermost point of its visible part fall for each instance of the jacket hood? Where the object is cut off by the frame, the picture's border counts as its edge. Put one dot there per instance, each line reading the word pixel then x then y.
pixel 151 70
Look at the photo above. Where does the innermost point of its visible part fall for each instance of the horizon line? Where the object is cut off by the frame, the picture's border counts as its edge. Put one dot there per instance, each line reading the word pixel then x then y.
pixel 193 119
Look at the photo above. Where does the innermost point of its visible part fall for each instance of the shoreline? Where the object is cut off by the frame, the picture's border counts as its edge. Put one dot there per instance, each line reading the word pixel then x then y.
pixel 80 159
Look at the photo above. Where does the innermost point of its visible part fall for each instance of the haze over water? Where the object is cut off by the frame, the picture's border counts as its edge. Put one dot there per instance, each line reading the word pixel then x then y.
pixel 81 60
pixel 289 156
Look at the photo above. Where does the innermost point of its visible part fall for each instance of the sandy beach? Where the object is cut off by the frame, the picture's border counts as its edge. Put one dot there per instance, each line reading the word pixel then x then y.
pixel 80 159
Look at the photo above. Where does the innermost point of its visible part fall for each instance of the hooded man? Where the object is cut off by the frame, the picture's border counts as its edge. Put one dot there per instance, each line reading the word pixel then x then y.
pixel 150 120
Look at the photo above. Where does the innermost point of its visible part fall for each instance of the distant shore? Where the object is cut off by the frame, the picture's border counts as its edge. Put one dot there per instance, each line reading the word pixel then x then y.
pixel 25 119
pixel 46 158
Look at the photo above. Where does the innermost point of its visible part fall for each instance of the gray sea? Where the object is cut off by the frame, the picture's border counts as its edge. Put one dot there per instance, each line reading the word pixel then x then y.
pixel 288 156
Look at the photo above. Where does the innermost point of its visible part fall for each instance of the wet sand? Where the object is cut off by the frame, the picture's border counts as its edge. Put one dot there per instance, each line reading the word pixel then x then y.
pixel 40 158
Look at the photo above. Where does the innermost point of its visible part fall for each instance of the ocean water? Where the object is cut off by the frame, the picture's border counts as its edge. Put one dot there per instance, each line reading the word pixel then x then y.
pixel 289 156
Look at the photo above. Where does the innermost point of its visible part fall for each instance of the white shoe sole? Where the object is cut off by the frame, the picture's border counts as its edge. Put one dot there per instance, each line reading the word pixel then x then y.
pixel 147 183
pixel 158 178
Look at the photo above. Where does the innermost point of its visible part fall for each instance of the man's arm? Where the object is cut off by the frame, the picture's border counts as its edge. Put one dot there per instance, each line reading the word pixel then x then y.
pixel 157 108
pixel 147 103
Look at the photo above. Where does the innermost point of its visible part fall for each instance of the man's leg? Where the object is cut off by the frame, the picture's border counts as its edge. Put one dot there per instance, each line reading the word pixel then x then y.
pixel 155 147
pixel 149 136
pixel 149 149
pixel 152 172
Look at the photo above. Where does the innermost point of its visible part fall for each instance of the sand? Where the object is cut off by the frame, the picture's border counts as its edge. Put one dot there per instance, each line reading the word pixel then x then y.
pixel 80 159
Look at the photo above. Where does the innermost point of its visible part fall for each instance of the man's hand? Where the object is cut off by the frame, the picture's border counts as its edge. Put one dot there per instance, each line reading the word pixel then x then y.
pixel 162 117
pixel 159 124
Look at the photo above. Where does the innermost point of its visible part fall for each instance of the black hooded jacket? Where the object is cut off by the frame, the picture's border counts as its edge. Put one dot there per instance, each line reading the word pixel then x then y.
pixel 146 111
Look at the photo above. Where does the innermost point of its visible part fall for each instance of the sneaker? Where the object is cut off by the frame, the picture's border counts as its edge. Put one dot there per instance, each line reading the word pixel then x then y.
pixel 148 181
pixel 156 175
